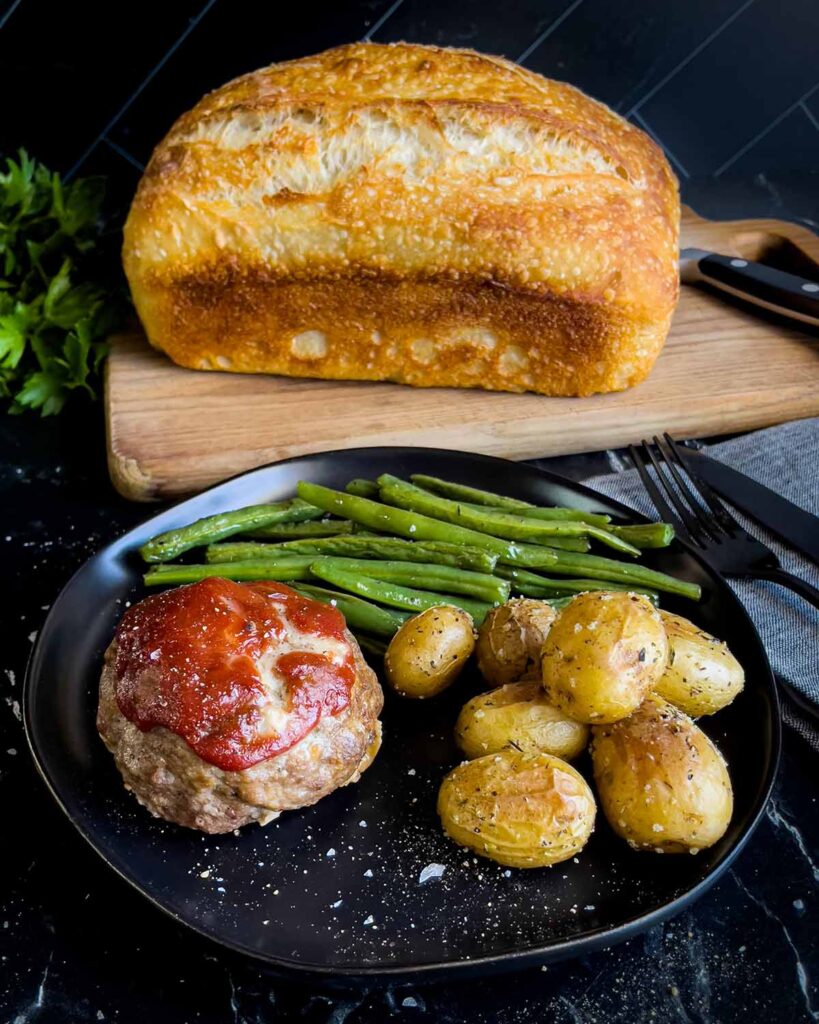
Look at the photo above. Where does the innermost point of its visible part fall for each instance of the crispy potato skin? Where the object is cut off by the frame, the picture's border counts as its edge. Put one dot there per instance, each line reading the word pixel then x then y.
pixel 605 652
pixel 663 785
pixel 702 676
pixel 521 811
pixel 519 716
pixel 429 651
pixel 511 639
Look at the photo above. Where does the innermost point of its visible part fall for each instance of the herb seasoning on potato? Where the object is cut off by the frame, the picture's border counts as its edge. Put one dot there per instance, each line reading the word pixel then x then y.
pixel 518 716
pixel 521 811
pixel 663 785
pixel 702 676
pixel 429 651
pixel 604 654
pixel 511 639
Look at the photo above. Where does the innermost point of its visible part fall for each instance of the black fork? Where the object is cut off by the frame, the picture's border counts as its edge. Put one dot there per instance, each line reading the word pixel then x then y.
pixel 683 498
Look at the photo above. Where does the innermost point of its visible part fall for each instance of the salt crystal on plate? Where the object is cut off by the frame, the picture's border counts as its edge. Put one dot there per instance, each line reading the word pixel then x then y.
pixel 431 871
pixel 368 873
pixel 330 853
pixel 369 920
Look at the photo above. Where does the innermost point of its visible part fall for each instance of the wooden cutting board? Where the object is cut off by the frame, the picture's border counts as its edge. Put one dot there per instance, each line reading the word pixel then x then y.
pixel 172 431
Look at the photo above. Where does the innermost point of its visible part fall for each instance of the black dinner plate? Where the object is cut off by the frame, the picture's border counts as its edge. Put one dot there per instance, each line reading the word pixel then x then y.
pixel 335 889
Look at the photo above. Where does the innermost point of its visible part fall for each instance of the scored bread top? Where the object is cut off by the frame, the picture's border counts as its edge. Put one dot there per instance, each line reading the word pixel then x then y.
pixel 411 161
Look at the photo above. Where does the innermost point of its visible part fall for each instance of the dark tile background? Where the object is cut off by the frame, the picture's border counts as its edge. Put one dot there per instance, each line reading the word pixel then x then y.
pixel 730 88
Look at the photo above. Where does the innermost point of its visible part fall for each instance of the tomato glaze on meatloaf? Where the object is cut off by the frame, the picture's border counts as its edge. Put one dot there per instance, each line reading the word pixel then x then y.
pixel 225 703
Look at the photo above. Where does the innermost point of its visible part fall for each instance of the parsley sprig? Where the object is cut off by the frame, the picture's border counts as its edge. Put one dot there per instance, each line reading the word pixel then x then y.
pixel 55 309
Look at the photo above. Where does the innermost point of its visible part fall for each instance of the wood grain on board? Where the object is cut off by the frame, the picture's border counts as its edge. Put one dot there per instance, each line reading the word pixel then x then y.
pixel 172 431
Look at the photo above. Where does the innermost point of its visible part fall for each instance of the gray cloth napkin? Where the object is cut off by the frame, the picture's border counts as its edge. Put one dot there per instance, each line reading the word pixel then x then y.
pixel 786 459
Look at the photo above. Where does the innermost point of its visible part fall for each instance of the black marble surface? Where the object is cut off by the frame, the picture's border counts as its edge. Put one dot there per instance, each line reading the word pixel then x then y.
pixel 77 944
pixel 729 87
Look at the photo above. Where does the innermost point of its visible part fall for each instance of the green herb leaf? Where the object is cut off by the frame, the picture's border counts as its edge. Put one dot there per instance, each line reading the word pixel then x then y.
pixel 41 390
pixel 56 306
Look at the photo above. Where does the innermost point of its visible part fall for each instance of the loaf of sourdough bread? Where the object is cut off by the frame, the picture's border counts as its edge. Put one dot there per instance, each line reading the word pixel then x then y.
pixel 407 213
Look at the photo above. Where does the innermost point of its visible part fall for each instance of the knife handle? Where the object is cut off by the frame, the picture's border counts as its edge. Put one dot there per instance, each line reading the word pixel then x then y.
pixel 775 290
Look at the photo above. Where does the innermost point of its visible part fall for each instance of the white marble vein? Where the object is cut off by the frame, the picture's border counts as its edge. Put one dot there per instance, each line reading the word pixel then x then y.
pixel 801 972
pixel 778 820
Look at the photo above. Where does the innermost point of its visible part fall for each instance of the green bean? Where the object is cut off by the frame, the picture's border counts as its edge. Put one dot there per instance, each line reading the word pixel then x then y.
pixel 646 535
pixel 569 563
pixel 462 556
pixel 296 567
pixel 166 546
pixel 546 513
pixel 579 515
pixel 462 492
pixel 361 546
pixel 387 519
pixel 570 543
pixel 530 584
pixel 363 488
pixel 359 614
pixel 420 576
pixel 395 596
pixel 299 531
pixel 371 645
pixel 579 543
pixel 499 524
pixel 501 503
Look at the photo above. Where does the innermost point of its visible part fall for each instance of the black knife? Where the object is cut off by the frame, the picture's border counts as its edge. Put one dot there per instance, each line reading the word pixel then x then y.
pixel 793 524
pixel 775 290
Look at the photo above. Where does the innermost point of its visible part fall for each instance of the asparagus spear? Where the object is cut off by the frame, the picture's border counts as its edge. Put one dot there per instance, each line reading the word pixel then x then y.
pixel 169 545
pixel 480 586
pixel 396 596
pixel 530 584
pixel 387 519
pixel 499 502
pixel 499 524
pixel 361 546
pixel 359 614
pixel 295 567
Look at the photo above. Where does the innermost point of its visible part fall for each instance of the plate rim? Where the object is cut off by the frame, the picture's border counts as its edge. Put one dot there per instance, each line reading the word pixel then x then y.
pixel 513 959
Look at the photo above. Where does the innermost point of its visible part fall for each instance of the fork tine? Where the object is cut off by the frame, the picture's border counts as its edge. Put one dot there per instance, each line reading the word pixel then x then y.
pixel 663 508
pixel 721 513
pixel 706 522
pixel 694 529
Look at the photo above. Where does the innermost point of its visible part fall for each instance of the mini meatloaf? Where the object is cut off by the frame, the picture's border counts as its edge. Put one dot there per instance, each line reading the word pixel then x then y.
pixel 226 703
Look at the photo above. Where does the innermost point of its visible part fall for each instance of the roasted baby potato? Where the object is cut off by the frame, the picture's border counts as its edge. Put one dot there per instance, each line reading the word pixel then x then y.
pixel 524 811
pixel 428 652
pixel 702 676
pixel 511 638
pixel 662 783
pixel 518 716
pixel 604 653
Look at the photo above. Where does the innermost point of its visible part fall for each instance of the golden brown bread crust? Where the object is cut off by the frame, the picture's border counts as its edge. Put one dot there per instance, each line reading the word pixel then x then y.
pixel 407 213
